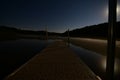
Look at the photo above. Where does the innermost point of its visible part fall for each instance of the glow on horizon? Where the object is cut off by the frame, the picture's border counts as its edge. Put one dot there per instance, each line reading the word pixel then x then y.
pixel 117 10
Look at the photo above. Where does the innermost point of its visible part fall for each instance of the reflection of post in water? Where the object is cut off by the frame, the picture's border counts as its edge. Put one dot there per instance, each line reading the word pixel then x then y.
pixel 46 36
pixel 111 40
pixel 68 38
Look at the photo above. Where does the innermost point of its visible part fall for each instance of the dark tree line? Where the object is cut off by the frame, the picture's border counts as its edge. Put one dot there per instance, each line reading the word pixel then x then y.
pixel 95 31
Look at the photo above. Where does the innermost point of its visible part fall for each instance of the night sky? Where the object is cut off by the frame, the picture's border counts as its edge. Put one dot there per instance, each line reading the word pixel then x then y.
pixel 57 15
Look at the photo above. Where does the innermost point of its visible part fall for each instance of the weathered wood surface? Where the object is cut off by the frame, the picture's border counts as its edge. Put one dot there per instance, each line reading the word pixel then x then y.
pixel 56 62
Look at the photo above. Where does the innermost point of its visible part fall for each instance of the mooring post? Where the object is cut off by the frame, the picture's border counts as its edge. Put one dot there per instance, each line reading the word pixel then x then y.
pixel 68 38
pixel 111 40
pixel 46 36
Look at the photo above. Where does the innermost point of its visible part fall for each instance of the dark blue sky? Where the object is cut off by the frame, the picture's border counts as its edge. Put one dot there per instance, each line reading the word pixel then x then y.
pixel 58 15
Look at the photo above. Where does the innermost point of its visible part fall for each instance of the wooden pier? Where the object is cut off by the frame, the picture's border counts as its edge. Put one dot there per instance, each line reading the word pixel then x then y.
pixel 56 62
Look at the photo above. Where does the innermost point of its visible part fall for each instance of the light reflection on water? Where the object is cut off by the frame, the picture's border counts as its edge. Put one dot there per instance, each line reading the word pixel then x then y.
pixel 116 65
pixel 96 62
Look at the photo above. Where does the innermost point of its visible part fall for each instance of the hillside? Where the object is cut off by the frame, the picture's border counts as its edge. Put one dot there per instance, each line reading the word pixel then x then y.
pixel 94 31
pixel 14 33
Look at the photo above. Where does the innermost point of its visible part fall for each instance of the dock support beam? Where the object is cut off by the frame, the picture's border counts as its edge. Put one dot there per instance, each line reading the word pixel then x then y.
pixel 111 40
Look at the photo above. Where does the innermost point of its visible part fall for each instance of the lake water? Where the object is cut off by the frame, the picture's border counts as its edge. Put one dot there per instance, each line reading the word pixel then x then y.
pixel 14 53
pixel 96 62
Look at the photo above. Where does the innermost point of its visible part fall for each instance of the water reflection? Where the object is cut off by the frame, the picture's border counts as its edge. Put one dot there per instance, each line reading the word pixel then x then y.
pixel 116 65
pixel 96 62
pixel 14 53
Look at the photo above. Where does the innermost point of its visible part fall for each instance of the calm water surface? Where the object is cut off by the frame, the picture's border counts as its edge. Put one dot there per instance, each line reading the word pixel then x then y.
pixel 96 62
pixel 14 53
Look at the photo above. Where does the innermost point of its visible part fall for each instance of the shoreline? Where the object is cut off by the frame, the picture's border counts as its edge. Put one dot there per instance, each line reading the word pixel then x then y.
pixel 96 45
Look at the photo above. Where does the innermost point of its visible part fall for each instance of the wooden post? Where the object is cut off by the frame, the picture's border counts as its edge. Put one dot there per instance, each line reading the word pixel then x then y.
pixel 46 36
pixel 68 38
pixel 111 40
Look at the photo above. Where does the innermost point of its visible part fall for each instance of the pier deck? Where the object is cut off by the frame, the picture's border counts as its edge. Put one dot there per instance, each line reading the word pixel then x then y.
pixel 56 62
